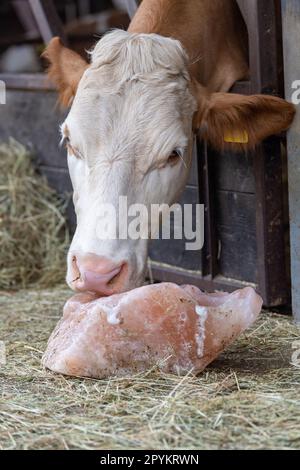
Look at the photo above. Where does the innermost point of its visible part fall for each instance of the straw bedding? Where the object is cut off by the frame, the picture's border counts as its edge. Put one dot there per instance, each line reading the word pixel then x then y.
pixel 33 231
pixel 249 398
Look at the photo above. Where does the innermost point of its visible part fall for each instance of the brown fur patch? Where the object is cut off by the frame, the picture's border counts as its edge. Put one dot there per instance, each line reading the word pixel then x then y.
pixel 223 114
pixel 65 70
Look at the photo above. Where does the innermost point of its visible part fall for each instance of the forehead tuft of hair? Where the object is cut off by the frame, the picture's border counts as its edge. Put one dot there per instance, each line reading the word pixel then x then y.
pixel 127 56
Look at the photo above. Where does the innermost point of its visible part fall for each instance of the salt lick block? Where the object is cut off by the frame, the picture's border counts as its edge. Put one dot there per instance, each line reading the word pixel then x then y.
pixel 176 328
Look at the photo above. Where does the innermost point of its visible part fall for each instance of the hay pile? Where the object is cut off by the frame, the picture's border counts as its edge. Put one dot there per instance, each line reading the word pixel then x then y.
pixel 248 399
pixel 33 232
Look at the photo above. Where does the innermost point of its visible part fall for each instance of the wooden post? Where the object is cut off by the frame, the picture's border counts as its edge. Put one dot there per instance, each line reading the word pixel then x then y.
pixel 291 48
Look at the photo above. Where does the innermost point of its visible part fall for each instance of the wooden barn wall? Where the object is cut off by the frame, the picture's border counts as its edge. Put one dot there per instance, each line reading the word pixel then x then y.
pixel 32 118
pixel 233 187
pixel 291 41
pixel 234 197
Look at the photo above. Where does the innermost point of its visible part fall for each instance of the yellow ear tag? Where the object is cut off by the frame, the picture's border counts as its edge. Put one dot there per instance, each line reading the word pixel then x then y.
pixel 237 137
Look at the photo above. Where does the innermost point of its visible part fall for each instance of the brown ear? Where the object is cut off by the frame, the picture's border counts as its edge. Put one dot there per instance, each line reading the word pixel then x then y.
pixel 65 70
pixel 240 122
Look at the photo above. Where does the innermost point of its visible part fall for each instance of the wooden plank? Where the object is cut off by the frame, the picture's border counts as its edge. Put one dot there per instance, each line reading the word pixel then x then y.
pixel 291 42
pixel 173 252
pixel 265 70
pixel 271 249
pixel 233 171
pixel 236 235
pixel 33 118
pixel 165 273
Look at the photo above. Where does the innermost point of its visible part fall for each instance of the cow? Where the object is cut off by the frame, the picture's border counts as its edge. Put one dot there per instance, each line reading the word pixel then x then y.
pixel 134 109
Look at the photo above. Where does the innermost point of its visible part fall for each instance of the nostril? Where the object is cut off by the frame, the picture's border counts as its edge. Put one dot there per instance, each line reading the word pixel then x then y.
pixel 75 269
pixel 89 272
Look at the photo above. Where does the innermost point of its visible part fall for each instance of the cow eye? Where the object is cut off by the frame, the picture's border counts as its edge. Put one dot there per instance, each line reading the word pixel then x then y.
pixel 174 157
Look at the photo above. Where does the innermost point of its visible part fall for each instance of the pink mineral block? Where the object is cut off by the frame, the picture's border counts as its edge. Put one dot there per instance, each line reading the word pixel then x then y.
pixel 177 329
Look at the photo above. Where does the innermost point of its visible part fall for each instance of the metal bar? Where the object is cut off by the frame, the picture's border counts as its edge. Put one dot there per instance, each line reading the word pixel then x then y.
pixel 26 18
pixel 291 41
pixel 26 81
pixel 47 19
pixel 131 6
pixel 244 6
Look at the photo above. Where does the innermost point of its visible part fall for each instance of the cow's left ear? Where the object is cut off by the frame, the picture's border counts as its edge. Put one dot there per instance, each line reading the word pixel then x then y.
pixel 65 70
pixel 240 122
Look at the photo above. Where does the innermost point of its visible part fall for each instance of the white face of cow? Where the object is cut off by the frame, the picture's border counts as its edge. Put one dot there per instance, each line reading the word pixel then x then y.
pixel 128 133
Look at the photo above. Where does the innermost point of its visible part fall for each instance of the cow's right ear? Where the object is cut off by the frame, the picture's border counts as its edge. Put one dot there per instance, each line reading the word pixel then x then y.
pixel 240 122
pixel 65 70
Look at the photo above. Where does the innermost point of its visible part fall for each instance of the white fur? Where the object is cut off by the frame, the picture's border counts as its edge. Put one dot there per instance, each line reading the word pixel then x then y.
pixel 133 107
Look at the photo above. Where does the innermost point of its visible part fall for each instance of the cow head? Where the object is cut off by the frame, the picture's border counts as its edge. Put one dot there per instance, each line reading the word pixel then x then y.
pixel 133 111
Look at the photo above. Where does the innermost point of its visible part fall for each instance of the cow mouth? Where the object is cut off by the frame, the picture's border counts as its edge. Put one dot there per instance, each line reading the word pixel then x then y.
pixel 116 283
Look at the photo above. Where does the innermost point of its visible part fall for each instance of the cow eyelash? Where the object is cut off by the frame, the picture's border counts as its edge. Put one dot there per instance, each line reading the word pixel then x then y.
pixel 67 144
pixel 64 141
pixel 175 157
